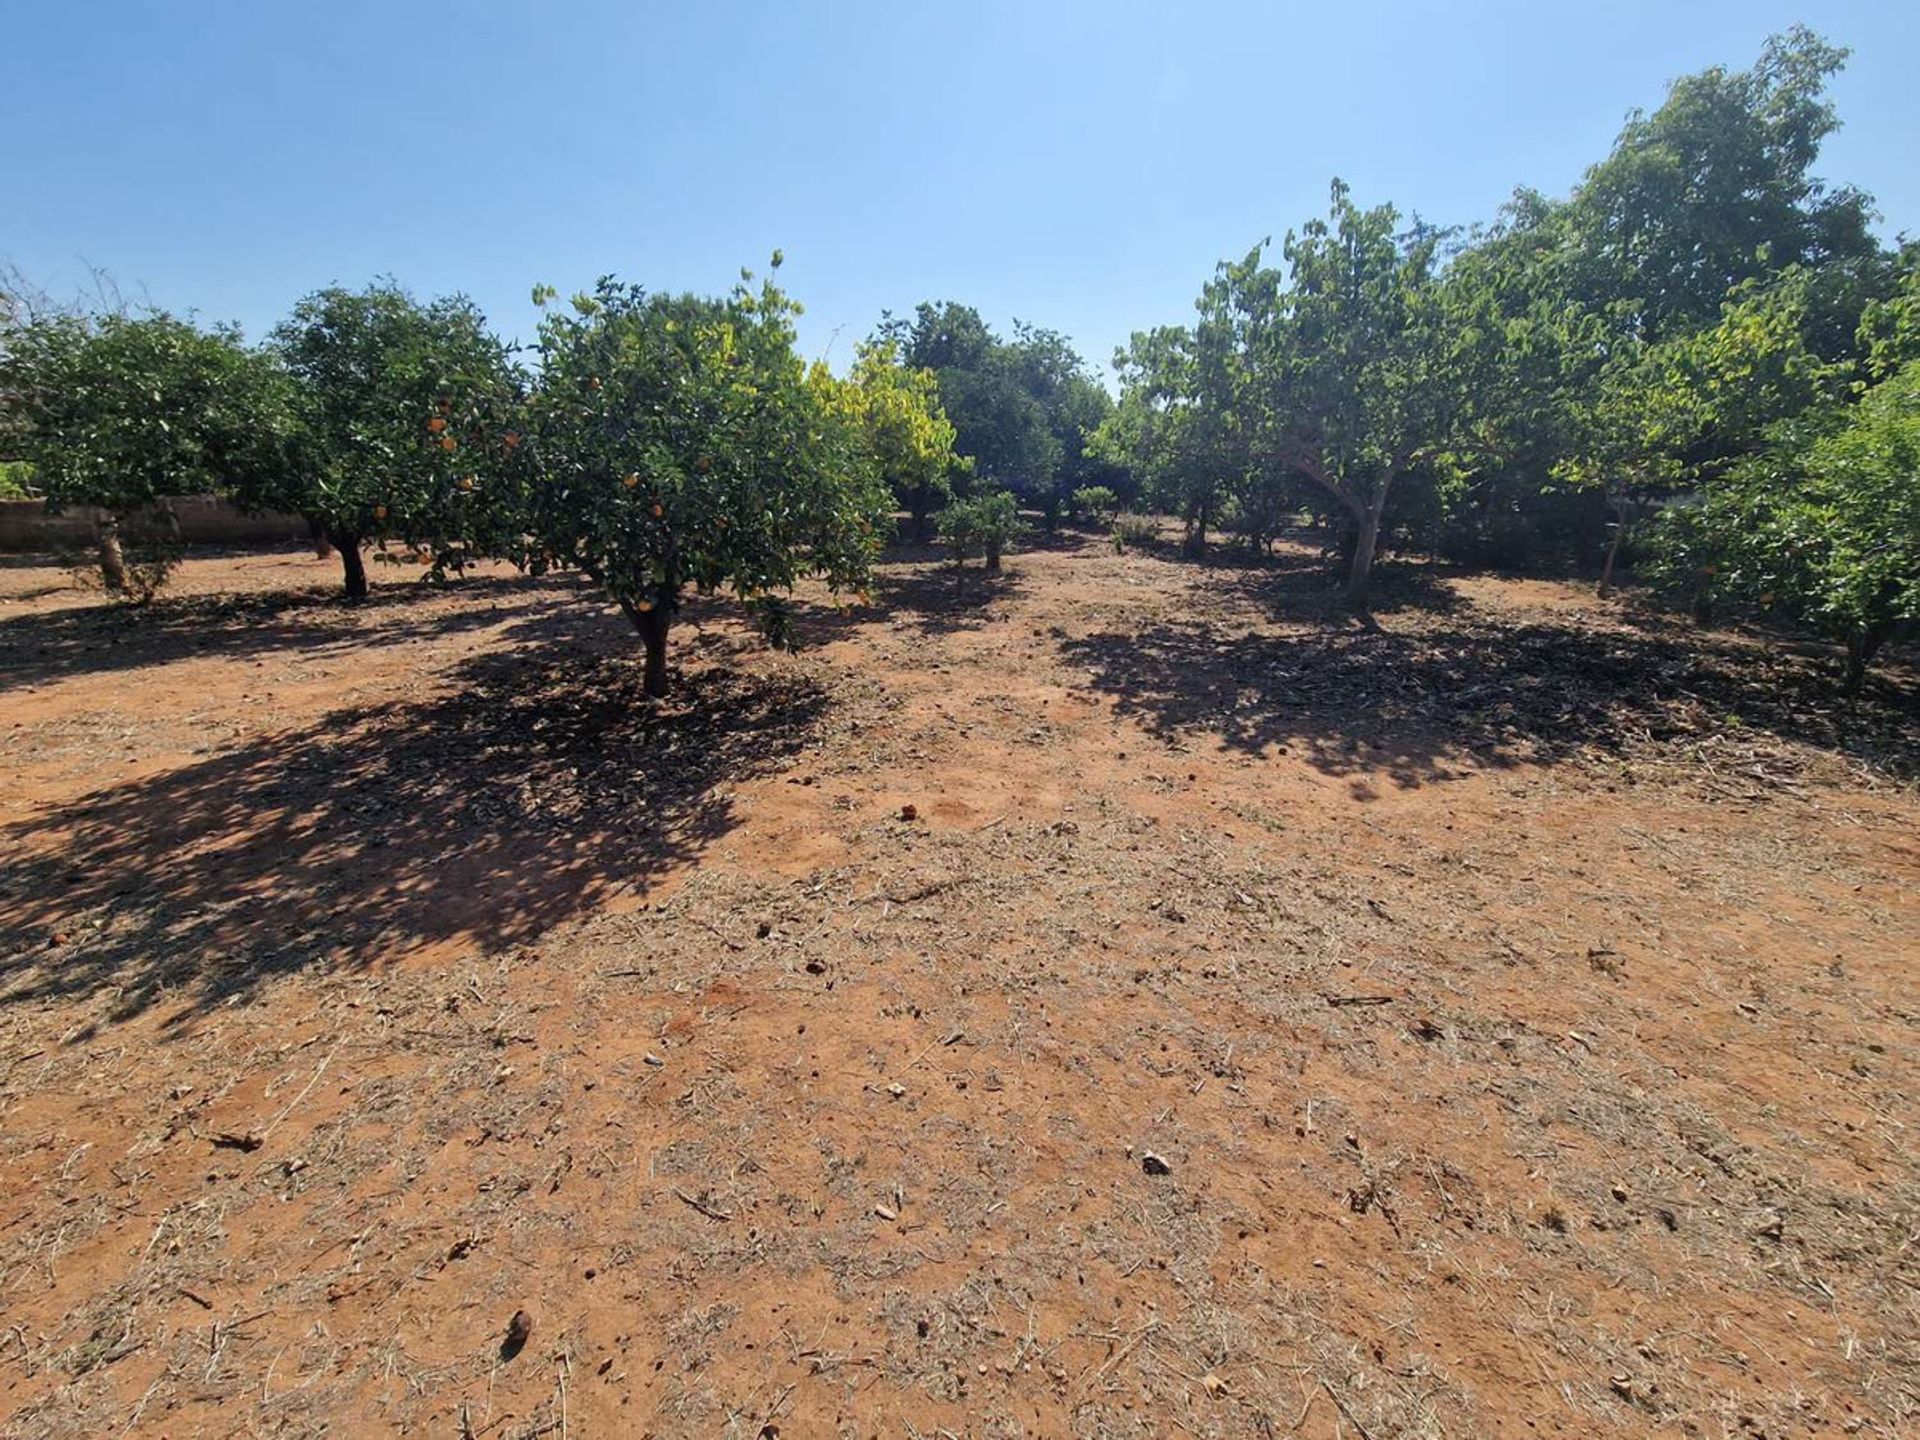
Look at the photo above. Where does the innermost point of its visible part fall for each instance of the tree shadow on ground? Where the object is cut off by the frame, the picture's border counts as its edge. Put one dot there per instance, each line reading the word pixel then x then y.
pixel 1295 583
pixel 932 597
pixel 1419 702
pixel 1304 578
pixel 111 636
pixel 541 786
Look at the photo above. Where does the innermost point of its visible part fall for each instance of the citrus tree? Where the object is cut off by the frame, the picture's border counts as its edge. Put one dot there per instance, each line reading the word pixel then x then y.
pixel 905 434
pixel 677 442
pixel 982 524
pixel 405 417
pixel 127 412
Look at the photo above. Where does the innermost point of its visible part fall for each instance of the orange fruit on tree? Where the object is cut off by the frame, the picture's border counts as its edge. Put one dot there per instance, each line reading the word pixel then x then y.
pixel 466 482
pixel 436 424
pixel 658 509
pixel 644 606
pixel 631 481
pixel 510 439
pixel 449 444
pixel 379 512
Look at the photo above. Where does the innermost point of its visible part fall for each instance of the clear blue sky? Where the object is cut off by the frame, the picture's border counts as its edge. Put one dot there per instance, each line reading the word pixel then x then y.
pixel 1076 165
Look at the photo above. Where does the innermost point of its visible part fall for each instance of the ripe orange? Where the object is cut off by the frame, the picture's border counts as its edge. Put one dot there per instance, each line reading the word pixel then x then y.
pixel 436 424
pixel 644 606
pixel 631 481
pixel 449 444
pixel 510 439
pixel 466 482
pixel 658 509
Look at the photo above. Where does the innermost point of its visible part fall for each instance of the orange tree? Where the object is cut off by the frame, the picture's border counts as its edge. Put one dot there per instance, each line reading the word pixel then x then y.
pixel 406 418
pixel 127 412
pixel 907 436
pixel 676 442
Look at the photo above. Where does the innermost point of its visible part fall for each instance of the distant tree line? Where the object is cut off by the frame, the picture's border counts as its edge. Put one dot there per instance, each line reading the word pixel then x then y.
pixel 1702 352
pixel 1700 358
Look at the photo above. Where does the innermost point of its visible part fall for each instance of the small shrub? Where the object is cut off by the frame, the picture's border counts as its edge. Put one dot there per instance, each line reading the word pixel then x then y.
pixel 1095 503
pixel 983 524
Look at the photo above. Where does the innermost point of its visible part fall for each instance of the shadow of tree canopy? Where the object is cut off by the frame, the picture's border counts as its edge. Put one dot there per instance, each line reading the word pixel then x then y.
pixel 1297 583
pixel 541 786
pixel 1412 703
pixel 932 597
pixel 111 636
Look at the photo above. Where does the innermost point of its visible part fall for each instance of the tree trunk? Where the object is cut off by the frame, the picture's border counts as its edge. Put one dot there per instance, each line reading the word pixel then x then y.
pixel 1365 542
pixel 919 509
pixel 652 625
pixel 993 557
pixel 1613 554
pixel 353 563
pixel 322 545
pixel 113 560
pixel 1195 544
pixel 1861 648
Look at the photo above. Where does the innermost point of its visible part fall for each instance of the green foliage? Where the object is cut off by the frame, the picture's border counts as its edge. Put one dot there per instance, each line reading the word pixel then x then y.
pixel 121 412
pixel 677 441
pixel 1662 419
pixel 1889 330
pixel 1171 427
pixel 16 480
pixel 904 433
pixel 1347 372
pixel 1823 525
pixel 1714 189
pixel 406 419
pixel 983 524
pixel 128 412
pixel 1093 502
pixel 1023 410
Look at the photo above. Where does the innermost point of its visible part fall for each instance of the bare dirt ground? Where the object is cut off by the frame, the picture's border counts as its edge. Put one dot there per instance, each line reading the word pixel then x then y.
pixel 1500 1020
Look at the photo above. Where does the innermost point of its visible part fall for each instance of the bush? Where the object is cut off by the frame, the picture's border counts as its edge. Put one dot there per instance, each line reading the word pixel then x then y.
pixel 983 524
pixel 16 477
pixel 1094 502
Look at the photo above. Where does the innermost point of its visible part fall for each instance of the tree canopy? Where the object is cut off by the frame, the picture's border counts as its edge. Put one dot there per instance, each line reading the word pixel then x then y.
pixel 405 410
pixel 676 442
